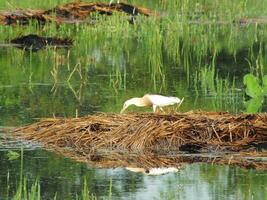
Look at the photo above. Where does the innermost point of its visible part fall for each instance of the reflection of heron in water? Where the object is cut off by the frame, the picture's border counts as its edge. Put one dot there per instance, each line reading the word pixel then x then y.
pixel 154 171
pixel 153 100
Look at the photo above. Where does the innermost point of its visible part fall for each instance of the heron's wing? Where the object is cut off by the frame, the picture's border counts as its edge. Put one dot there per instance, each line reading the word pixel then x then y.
pixel 160 100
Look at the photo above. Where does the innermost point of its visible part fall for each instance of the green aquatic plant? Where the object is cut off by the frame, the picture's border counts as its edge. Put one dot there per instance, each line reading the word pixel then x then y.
pixel 208 82
pixel 85 194
pixel 12 155
pixel 32 191
pixel 159 52
pixel 254 105
pixel 253 87
pixel 256 91
pixel 264 84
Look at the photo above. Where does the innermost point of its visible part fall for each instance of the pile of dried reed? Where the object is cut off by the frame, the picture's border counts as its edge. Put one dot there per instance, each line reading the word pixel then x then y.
pixel 192 131
pixel 154 140
pixel 70 13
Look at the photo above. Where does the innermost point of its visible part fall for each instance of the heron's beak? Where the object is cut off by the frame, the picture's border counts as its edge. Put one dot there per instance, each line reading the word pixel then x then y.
pixel 123 109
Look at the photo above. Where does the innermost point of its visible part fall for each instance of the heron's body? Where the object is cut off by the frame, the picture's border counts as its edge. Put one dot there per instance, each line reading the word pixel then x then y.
pixel 162 101
pixel 153 100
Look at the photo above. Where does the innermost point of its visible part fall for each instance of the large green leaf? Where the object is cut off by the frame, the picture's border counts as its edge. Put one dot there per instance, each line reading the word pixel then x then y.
pixel 254 105
pixel 264 85
pixel 253 88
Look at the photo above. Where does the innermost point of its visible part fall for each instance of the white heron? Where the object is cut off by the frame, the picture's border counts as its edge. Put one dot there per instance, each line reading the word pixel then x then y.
pixel 153 100
pixel 154 171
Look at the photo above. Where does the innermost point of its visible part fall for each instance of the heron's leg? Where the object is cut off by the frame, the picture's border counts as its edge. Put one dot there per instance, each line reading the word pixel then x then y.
pixel 178 105
pixel 161 109
pixel 180 102
pixel 154 108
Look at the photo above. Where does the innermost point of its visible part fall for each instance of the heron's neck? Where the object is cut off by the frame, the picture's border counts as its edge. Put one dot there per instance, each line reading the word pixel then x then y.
pixel 138 102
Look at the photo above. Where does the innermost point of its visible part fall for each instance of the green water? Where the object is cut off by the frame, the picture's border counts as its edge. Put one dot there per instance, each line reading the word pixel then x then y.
pixel 65 178
pixel 195 51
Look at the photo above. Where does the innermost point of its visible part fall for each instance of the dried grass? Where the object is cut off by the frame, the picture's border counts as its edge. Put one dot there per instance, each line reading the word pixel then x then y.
pixel 151 131
pixel 70 13
pixel 147 140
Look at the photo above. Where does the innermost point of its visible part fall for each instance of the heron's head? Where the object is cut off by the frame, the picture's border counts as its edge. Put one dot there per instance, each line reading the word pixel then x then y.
pixel 126 105
pixel 132 101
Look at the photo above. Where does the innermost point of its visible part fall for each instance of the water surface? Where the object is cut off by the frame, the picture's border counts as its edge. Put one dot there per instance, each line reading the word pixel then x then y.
pixel 65 178
pixel 197 51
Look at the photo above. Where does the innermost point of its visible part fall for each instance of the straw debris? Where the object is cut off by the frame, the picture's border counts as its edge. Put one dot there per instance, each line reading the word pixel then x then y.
pixel 70 13
pixel 154 140
pixel 192 131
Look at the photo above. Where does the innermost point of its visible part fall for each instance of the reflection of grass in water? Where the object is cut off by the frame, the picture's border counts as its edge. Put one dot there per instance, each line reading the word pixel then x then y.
pixel 152 43
pixel 211 83
pixel 33 192
pixel 185 36
pixel 24 193
pixel 183 42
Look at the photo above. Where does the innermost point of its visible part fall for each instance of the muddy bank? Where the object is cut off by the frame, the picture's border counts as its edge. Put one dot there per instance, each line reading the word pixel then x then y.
pixel 70 13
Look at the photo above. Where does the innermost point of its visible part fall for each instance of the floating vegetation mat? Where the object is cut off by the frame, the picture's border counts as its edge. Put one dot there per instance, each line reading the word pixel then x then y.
pixel 192 133
pixel 70 13
pixel 34 42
